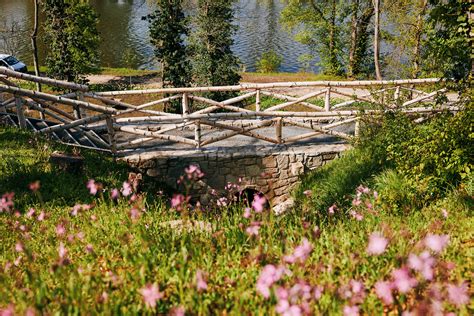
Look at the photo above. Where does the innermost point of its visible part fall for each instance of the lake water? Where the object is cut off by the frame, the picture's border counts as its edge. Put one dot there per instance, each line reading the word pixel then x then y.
pixel 125 41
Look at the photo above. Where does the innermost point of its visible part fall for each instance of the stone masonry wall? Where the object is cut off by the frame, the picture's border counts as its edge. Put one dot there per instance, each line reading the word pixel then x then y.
pixel 274 171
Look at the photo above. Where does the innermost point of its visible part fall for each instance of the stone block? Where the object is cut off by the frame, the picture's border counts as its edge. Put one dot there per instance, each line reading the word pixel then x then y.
pixel 283 161
pixel 155 172
pixel 329 156
pixel 296 168
pixel 253 171
pixel 147 164
pixel 269 162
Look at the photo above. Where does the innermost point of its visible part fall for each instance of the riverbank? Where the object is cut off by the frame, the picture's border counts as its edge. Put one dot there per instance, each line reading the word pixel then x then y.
pixel 151 78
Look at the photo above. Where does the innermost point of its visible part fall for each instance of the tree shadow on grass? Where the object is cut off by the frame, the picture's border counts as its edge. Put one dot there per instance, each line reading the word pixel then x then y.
pixel 24 158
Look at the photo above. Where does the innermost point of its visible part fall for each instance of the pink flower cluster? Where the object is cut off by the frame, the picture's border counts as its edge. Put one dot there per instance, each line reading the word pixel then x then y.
pixel 300 253
pixel 296 300
pixel 269 275
pixel 6 202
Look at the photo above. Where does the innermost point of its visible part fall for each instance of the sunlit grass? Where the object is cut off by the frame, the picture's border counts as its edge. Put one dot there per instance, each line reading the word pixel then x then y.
pixel 113 253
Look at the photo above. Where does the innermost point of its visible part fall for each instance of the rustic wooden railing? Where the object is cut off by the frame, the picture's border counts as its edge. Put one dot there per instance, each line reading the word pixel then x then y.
pixel 117 126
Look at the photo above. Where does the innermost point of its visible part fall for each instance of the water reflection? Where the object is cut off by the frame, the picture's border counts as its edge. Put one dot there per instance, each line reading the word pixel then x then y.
pixel 125 40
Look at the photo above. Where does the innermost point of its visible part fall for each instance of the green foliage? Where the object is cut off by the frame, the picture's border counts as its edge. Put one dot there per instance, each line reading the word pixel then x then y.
pixel 168 30
pixel 397 193
pixel 269 62
pixel 317 26
pixel 449 48
pixel 332 183
pixel 213 63
pixel 111 256
pixel 71 31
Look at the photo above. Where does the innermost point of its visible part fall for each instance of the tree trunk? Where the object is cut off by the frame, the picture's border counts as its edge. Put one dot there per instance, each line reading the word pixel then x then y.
pixel 419 32
pixel 332 37
pixel 34 45
pixel 352 51
pixel 378 74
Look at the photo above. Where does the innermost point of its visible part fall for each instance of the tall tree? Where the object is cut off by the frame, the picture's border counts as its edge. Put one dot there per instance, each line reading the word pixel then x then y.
pixel 34 46
pixel 378 73
pixel 449 48
pixel 213 62
pixel 406 36
pixel 361 12
pixel 168 30
pixel 318 26
pixel 71 29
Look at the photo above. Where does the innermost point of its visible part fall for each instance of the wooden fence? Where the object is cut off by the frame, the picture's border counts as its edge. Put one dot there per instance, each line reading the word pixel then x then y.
pixel 109 123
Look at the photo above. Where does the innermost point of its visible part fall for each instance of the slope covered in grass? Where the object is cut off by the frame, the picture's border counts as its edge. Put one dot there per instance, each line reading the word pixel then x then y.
pixel 65 250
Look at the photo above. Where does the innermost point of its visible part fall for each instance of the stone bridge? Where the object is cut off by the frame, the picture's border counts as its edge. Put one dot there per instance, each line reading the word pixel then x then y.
pixel 266 134
pixel 271 170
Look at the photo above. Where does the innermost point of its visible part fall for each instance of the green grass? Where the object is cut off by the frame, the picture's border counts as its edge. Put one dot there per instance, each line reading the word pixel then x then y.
pixel 128 254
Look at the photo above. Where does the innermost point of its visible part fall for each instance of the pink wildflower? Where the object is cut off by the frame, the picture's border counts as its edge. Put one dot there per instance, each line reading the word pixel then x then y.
pixel 19 247
pixel 89 248
pixel 9 311
pixel 62 251
pixel 6 202
pixel 258 203
pixel 423 264
pixel 268 276
pixel 34 186
pixel 30 311
pixel 30 213
pixel 222 202
pixel 151 294
pixel 41 216
pixel 351 310
pixel 332 209
pixel 436 242
pixel 253 229
pixel 177 202
pixel 134 214
pixel 60 230
pixel 308 193
pixel 301 252
pixel 458 295
pixel 247 212
pixel 115 194
pixel 444 213
pixel 92 186
pixel 383 289
pixel 377 244
pixel 201 283
pixel 177 311
pixel 126 189
pixel 193 172
pixel 403 281
pixel 284 308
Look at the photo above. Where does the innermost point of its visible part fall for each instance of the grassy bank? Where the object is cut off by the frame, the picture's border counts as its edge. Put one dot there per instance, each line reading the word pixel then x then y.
pixel 65 250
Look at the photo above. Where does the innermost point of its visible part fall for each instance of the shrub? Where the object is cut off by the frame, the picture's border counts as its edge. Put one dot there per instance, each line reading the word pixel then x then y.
pixel 269 62
pixel 397 193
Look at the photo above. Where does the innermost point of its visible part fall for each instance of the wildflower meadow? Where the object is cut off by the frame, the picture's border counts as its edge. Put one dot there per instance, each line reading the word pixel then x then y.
pixel 99 243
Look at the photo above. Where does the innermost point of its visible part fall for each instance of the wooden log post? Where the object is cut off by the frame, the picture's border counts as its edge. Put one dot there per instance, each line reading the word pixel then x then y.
pixel 197 133
pixel 396 96
pixel 327 100
pixel 357 127
pixel 111 133
pixel 257 101
pixel 81 111
pixel 185 104
pixel 279 129
pixel 20 113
